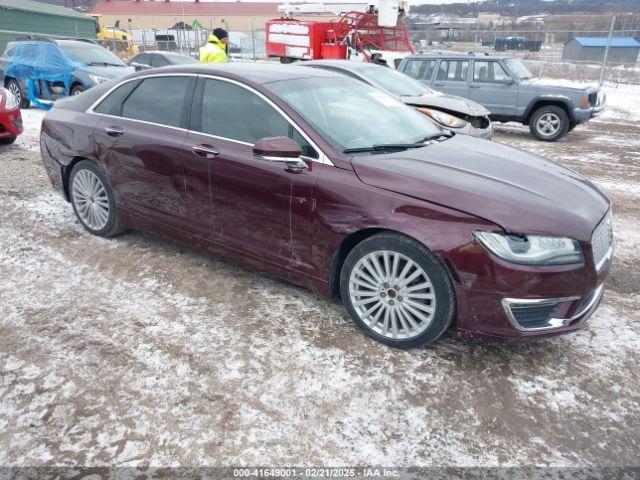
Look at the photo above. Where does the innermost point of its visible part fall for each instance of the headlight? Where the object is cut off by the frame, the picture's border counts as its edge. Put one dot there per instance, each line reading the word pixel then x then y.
pixel 532 249
pixel 97 80
pixel 444 118
pixel 10 101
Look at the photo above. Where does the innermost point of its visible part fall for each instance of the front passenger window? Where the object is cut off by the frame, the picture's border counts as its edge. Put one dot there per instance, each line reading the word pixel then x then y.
pixel 233 112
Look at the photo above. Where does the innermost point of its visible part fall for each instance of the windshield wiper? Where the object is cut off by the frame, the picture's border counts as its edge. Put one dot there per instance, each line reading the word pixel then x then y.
pixel 384 147
pixel 436 136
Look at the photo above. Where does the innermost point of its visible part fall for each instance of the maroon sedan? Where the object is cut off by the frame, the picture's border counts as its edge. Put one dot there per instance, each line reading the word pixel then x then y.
pixel 334 185
pixel 10 117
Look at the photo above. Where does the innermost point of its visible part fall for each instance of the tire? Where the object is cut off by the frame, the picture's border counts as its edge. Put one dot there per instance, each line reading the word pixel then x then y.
pixel 14 87
pixel 7 140
pixel 76 90
pixel 93 201
pixel 549 123
pixel 368 299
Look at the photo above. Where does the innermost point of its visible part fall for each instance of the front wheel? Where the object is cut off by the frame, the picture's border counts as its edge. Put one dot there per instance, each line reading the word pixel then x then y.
pixel 93 200
pixel 549 123
pixel 397 291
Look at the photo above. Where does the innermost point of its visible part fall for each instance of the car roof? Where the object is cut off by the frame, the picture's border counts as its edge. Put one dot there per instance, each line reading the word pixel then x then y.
pixel 456 55
pixel 343 64
pixel 75 42
pixel 258 73
pixel 162 52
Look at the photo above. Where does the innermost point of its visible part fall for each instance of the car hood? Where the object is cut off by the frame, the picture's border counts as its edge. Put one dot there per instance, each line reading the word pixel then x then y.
pixel 448 102
pixel 108 72
pixel 520 192
pixel 551 87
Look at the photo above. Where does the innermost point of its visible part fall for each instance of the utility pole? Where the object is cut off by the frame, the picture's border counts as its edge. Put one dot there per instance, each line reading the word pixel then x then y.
pixel 606 52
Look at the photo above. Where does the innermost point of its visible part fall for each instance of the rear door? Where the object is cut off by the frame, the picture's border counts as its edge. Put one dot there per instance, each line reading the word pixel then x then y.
pixel 493 87
pixel 140 138
pixel 452 77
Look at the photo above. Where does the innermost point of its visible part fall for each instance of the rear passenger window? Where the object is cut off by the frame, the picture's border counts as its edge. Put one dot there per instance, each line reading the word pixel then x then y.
pixel 157 100
pixel 233 112
pixel 112 105
pixel 420 69
pixel 453 70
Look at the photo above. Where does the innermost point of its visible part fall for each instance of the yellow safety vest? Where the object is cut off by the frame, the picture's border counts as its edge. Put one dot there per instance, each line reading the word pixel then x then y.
pixel 213 52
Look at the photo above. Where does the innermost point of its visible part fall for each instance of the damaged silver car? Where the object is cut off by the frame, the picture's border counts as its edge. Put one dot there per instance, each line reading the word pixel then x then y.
pixel 455 113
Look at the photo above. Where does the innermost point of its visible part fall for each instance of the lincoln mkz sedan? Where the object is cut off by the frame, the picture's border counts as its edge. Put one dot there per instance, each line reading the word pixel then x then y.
pixel 297 172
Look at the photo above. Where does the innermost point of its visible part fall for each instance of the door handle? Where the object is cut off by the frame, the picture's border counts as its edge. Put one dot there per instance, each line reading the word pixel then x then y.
pixel 474 86
pixel 114 131
pixel 439 84
pixel 204 151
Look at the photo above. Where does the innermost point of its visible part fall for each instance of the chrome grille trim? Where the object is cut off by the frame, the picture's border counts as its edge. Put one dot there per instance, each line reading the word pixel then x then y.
pixel 602 242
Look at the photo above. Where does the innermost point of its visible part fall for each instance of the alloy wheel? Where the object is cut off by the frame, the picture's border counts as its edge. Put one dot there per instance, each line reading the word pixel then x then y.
pixel 548 124
pixel 15 89
pixel 392 294
pixel 90 199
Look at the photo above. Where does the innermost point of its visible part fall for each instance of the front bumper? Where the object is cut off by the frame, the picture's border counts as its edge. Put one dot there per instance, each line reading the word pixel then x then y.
pixel 486 133
pixel 10 123
pixel 581 115
pixel 499 300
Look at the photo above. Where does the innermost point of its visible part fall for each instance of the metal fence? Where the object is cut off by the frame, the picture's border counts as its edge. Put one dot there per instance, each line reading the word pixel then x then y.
pixel 250 45
pixel 242 45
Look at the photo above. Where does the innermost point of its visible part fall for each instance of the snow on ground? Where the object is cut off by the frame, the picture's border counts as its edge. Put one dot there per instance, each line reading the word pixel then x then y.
pixel 139 351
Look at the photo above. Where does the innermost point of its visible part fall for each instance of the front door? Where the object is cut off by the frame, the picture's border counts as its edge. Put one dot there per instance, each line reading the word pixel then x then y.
pixel 452 77
pixel 494 88
pixel 141 139
pixel 250 198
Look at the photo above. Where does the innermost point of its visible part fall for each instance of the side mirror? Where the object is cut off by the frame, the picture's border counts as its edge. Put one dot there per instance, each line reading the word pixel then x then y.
pixel 138 66
pixel 508 81
pixel 280 149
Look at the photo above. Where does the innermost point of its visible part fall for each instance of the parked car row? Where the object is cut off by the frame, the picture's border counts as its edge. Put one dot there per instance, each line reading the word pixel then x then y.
pixel 477 89
pixel 335 185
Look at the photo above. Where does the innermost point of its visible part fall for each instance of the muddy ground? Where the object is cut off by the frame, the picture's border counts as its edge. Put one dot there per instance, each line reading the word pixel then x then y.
pixel 139 351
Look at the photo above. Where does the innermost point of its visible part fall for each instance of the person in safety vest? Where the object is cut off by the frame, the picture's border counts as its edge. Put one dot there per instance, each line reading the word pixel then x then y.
pixel 215 49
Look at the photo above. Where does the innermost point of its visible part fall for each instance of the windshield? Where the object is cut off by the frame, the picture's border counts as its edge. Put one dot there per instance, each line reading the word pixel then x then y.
pixel 351 114
pixel 394 82
pixel 518 69
pixel 92 55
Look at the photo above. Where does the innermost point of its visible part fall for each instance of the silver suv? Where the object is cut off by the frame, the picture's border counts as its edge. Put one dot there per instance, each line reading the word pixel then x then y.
pixel 507 88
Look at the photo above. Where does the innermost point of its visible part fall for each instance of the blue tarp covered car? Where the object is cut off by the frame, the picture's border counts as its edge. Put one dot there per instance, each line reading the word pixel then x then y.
pixel 36 70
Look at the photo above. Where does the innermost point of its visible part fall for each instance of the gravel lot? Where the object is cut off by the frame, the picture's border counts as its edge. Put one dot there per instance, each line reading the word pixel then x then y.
pixel 138 351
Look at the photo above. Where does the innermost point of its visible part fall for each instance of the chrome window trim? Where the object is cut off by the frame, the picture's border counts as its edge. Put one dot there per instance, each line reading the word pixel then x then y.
pixel 322 157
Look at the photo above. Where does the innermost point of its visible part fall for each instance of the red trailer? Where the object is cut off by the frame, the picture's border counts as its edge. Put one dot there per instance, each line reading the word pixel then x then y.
pixel 353 33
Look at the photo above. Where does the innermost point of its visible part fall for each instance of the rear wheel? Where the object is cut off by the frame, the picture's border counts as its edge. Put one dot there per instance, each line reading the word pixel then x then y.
pixel 14 87
pixel 93 200
pixel 7 140
pixel 396 291
pixel 549 123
